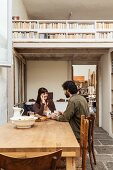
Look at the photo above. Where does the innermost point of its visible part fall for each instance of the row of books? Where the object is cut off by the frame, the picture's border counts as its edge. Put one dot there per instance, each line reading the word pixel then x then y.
pixel 66 36
pixel 80 36
pixel 59 25
pixel 107 35
pixel 25 25
pixel 105 25
pixel 35 25
pixel 80 26
pixel 27 35
pixel 52 25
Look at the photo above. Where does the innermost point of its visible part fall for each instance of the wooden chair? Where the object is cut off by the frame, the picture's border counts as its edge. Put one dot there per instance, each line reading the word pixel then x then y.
pixel 87 140
pixel 84 140
pixel 46 162
pixel 91 119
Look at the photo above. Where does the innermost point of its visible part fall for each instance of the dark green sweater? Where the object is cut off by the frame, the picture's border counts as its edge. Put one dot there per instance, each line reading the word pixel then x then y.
pixel 76 107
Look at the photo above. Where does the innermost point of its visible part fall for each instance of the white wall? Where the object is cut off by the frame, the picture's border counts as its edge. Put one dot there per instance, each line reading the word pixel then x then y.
pixel 3 71
pixel 19 9
pixel 6 75
pixel 3 95
pixel 16 80
pixel 106 91
pixel 10 87
pixel 48 74
pixel 99 78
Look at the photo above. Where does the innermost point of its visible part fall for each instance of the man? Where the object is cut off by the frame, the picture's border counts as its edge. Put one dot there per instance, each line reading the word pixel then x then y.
pixel 77 106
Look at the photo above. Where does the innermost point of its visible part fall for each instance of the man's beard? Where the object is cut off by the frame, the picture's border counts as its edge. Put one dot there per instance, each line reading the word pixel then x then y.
pixel 67 95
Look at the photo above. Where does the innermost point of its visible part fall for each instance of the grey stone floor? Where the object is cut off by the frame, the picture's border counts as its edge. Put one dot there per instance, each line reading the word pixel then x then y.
pixel 103 144
pixel 103 150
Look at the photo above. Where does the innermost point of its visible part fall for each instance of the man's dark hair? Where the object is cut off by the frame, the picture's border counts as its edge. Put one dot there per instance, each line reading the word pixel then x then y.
pixel 70 86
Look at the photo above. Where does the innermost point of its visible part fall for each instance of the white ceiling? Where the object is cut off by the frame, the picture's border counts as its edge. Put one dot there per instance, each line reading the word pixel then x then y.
pixel 69 9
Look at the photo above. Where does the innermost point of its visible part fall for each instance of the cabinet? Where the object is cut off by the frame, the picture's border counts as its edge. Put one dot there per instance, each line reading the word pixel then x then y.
pixel 63 30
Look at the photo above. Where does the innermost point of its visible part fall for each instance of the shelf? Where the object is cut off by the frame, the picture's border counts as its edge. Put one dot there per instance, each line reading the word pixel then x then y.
pixel 52 40
pixel 104 30
pixel 60 30
pixel 25 30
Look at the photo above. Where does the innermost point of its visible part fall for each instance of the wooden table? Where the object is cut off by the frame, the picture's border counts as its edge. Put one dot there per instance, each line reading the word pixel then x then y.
pixel 43 137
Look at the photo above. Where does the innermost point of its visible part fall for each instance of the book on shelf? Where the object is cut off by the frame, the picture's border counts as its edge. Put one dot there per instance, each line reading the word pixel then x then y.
pixel 25 25
pixel 25 35
pixel 105 35
pixel 43 36
pixel 104 25
pixel 52 25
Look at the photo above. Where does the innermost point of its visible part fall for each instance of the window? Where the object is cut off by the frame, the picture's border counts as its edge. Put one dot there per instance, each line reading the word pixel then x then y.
pixel 19 80
pixel 5 33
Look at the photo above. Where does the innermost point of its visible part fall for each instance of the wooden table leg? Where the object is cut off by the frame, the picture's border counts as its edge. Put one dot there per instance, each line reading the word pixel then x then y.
pixel 70 163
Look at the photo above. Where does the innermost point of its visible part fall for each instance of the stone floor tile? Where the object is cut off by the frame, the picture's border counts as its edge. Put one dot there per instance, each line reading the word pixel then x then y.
pixel 102 136
pixel 99 130
pixel 98 166
pixel 103 158
pixel 106 141
pixel 97 142
pixel 104 149
pixel 109 165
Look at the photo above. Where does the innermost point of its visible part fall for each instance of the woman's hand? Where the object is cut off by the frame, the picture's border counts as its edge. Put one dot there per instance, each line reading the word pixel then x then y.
pixel 43 99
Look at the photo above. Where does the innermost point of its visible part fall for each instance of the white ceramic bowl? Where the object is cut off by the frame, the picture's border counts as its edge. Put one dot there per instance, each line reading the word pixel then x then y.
pixel 23 121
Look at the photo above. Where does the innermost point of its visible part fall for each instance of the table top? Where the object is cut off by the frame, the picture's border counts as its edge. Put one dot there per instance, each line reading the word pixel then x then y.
pixel 46 136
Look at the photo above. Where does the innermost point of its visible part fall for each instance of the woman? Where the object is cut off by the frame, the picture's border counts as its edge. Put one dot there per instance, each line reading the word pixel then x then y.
pixel 43 104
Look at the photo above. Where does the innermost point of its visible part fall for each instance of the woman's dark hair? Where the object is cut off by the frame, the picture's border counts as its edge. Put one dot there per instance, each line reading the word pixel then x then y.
pixel 40 91
pixel 70 86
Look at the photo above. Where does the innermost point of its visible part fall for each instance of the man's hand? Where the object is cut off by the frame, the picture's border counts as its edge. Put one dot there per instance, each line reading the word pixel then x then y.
pixel 54 116
pixel 57 113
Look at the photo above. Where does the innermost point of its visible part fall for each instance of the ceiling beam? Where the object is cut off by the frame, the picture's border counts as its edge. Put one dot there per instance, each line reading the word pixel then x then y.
pixel 61 51
pixel 75 61
pixel 20 57
pixel 77 58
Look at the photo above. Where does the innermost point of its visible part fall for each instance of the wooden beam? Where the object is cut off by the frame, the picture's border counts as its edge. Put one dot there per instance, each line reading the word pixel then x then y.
pixel 19 56
pixel 60 51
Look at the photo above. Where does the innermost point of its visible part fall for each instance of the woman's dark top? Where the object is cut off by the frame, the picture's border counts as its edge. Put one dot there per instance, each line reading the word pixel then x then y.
pixel 39 108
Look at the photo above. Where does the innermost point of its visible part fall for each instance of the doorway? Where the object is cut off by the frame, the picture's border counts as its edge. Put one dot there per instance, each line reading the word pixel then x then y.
pixel 85 77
